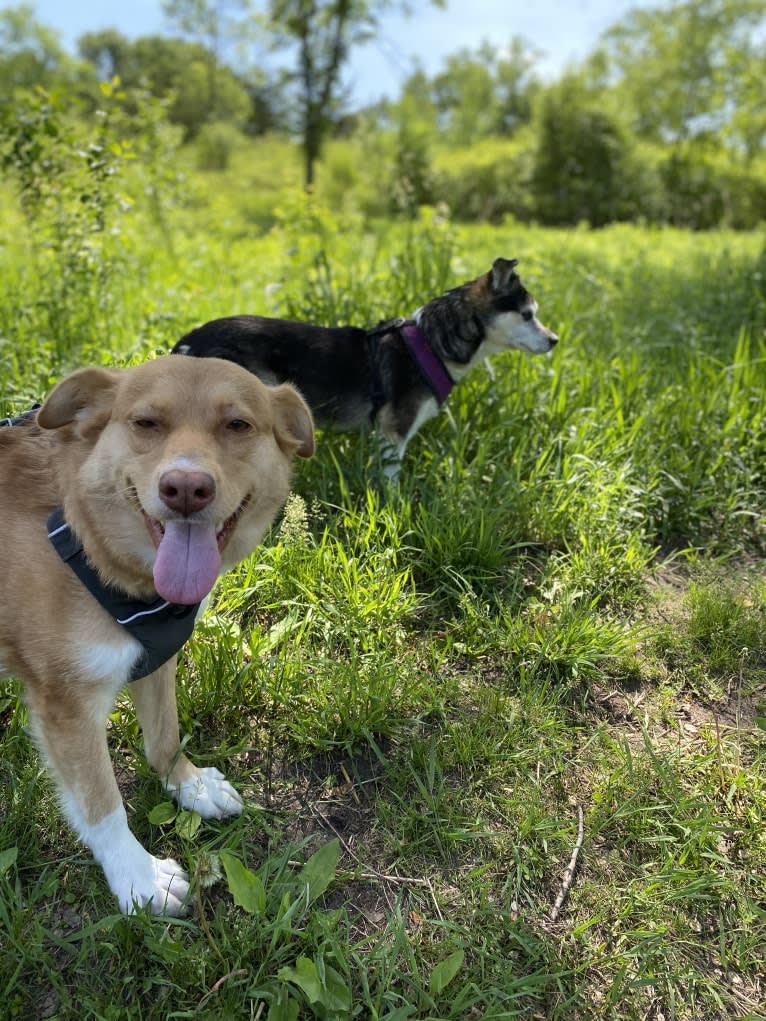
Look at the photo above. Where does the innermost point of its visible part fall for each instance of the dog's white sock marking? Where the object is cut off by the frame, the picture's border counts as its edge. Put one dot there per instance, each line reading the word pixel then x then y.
pixel 392 453
pixel 109 661
pixel 392 461
pixel 209 793
pixel 135 877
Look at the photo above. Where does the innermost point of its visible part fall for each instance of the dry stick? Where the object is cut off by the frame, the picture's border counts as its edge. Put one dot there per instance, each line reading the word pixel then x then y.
pixel 239 973
pixel 380 876
pixel 350 783
pixel 436 902
pixel 206 925
pixel 718 755
pixel 365 875
pixel 569 873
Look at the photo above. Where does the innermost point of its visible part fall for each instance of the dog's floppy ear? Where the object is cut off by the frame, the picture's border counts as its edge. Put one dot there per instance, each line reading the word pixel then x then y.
pixel 293 425
pixel 84 398
pixel 501 273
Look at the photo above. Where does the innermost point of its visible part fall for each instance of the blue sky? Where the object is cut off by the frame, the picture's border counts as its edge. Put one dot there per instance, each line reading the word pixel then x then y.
pixel 564 30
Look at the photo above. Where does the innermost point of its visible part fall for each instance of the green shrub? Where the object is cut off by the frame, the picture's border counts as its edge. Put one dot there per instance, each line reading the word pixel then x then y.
pixel 215 144
pixel 692 192
pixel 487 181
pixel 744 196
pixel 411 184
pixel 585 167
pixel 704 189
pixel 352 173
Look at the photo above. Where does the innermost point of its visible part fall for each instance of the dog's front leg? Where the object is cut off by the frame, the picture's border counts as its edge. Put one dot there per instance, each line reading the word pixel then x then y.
pixel 204 790
pixel 397 429
pixel 391 459
pixel 72 736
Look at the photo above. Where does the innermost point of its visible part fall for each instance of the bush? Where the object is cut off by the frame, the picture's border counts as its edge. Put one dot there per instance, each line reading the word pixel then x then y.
pixel 412 184
pixel 744 197
pixel 585 167
pixel 215 144
pixel 69 175
pixel 353 173
pixel 693 195
pixel 487 181
pixel 703 188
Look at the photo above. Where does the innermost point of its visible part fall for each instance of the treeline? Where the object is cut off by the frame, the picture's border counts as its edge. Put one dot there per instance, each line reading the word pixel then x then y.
pixel 663 123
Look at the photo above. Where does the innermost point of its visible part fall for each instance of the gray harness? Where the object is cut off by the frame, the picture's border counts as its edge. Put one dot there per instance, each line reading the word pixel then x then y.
pixel 162 628
pixel 25 418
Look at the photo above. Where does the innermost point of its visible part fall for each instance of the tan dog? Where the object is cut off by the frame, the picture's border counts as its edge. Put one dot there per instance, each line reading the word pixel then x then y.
pixel 168 473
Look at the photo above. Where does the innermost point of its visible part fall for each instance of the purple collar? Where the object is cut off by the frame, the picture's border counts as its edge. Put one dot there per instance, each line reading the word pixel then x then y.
pixel 431 367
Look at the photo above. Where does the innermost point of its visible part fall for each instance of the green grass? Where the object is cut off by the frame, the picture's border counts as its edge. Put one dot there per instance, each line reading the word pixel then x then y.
pixel 561 605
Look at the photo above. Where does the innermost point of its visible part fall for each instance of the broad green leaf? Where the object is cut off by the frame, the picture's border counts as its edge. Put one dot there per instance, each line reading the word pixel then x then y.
pixel 319 870
pixel 283 627
pixel 8 858
pixel 284 1009
pixel 322 985
pixel 304 975
pixel 247 889
pixel 171 950
pixel 445 971
pixel 187 824
pixel 760 721
pixel 163 813
pixel 337 995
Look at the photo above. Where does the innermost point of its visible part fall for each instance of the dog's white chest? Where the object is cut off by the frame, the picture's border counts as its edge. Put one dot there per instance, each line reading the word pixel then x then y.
pixel 109 662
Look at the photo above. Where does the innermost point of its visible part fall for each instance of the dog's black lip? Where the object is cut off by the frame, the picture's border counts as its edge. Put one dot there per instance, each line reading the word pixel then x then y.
pixel 154 524
pixel 226 529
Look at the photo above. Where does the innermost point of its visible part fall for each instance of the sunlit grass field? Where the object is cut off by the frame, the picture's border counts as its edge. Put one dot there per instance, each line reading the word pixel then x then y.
pixel 560 609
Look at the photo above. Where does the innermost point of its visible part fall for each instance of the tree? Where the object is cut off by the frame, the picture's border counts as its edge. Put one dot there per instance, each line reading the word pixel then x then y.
pixel 321 33
pixel 30 53
pixel 215 25
pixel 583 167
pixel 690 69
pixel 174 69
pixel 480 93
pixel 485 93
pixel 109 53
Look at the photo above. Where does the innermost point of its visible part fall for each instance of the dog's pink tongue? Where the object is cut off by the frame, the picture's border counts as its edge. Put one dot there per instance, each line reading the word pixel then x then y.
pixel 187 562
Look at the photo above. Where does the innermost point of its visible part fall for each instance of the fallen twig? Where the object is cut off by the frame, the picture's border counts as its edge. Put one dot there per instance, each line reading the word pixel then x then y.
pixel 350 783
pixel 239 973
pixel 352 854
pixel 569 872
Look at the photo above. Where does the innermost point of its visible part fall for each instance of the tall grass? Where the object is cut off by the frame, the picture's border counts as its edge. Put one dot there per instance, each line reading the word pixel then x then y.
pixel 416 687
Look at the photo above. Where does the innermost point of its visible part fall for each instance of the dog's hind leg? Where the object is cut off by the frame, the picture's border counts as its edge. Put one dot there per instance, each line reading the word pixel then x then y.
pixel 203 790
pixel 71 733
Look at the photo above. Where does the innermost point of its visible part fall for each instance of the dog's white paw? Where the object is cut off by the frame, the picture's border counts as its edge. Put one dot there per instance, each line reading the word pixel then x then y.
pixel 208 793
pixel 161 885
pixel 135 877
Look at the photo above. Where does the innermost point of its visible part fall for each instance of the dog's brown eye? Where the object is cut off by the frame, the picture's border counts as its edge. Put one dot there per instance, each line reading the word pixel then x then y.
pixel 238 425
pixel 145 424
pixel 527 314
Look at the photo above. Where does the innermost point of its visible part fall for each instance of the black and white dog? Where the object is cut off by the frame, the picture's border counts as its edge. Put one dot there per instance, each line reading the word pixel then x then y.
pixel 395 375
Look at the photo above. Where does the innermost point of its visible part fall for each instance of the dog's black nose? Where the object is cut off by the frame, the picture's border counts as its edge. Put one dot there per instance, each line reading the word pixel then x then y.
pixel 553 339
pixel 185 491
